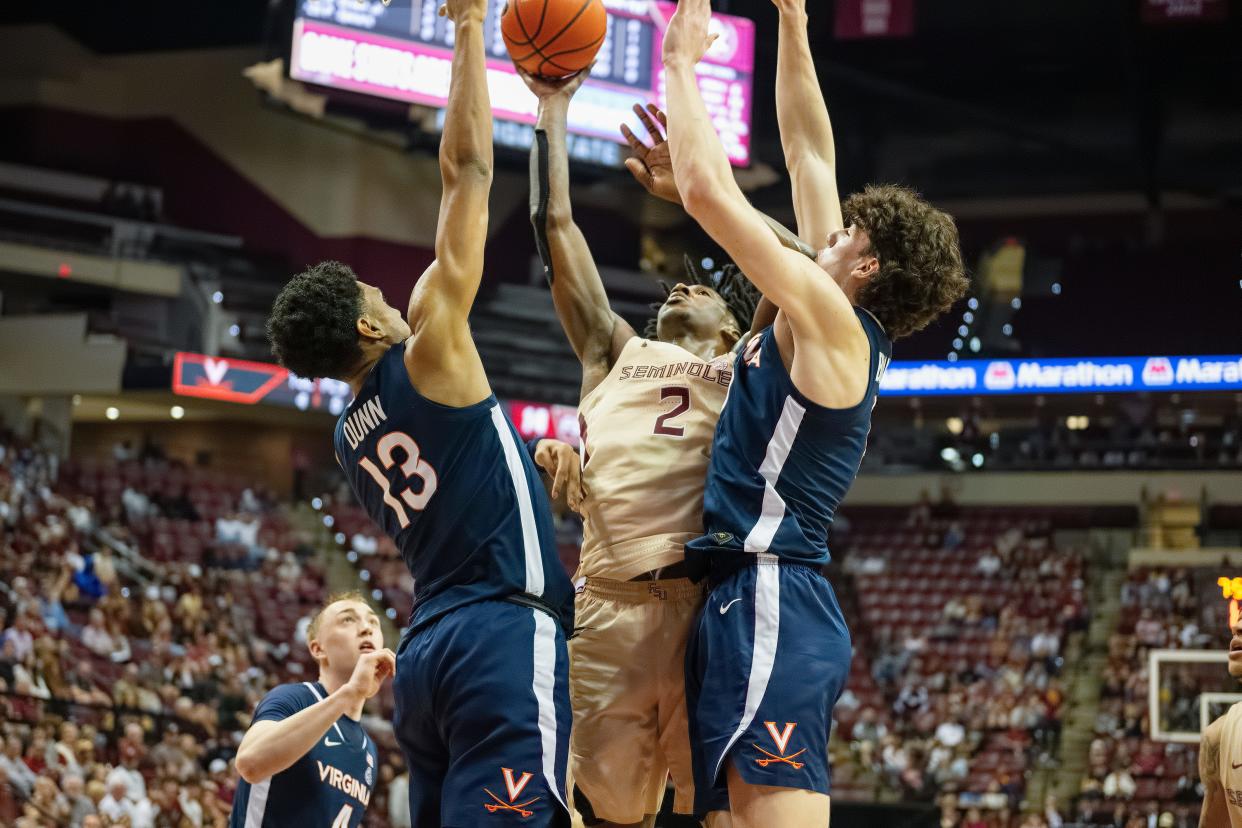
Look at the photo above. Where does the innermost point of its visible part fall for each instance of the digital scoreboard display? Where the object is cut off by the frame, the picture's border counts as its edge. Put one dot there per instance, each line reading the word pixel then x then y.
pixel 404 52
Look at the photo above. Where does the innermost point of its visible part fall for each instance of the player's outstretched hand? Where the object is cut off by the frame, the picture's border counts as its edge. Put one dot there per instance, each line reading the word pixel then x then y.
pixel 687 38
pixel 371 670
pixel 561 463
pixel 652 166
pixel 461 10
pixel 547 89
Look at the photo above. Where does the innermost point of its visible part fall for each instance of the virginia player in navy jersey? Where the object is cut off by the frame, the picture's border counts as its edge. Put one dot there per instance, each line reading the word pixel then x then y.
pixel 482 703
pixel 306 761
pixel 772 652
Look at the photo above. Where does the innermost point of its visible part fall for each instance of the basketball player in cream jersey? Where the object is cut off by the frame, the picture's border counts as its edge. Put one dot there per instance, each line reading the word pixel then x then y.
pixel 1220 756
pixel 648 412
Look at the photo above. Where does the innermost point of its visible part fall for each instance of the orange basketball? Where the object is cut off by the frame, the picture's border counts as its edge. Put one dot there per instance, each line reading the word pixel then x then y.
pixel 553 38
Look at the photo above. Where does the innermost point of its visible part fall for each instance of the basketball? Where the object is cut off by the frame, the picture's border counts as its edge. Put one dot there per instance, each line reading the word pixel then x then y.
pixel 553 38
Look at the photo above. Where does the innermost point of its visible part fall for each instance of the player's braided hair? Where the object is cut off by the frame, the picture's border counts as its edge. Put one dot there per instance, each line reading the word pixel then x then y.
pixel 739 295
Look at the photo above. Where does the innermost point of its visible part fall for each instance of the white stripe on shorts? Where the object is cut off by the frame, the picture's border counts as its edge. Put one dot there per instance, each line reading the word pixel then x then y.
pixel 526 509
pixel 544 686
pixel 773 512
pixel 763 655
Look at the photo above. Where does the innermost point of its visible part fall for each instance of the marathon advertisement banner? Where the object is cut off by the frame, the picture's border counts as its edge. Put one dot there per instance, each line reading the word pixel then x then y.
pixel 1088 375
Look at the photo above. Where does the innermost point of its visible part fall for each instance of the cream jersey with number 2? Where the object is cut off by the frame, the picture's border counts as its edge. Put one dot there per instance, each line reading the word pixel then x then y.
pixel 646 439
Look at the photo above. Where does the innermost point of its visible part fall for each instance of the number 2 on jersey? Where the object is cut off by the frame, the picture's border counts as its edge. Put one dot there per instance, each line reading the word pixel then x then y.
pixel 673 392
pixel 413 466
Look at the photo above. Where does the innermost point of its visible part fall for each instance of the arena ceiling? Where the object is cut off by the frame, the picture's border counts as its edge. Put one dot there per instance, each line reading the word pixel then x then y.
pixel 986 99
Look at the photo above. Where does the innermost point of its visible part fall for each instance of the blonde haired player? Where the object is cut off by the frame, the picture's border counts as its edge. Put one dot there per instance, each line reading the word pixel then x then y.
pixel 1220 756
pixel 305 759
pixel 648 411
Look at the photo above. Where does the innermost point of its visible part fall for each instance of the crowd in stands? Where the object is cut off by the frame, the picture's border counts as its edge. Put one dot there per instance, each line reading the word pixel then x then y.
pixel 960 619
pixel 138 629
pixel 1118 439
pixel 146 607
pixel 1130 776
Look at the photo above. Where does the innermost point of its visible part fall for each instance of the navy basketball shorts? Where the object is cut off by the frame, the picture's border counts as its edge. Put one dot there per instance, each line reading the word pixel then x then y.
pixel 483 717
pixel 764 668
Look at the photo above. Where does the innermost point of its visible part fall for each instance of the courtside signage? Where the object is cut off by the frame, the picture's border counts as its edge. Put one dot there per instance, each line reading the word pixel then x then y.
pixel 249 383
pixel 1088 375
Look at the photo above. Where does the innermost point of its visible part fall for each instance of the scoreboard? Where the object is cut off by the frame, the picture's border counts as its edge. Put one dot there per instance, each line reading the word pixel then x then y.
pixel 404 51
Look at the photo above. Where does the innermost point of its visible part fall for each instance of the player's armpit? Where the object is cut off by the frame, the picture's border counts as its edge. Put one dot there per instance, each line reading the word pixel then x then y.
pixel 441 359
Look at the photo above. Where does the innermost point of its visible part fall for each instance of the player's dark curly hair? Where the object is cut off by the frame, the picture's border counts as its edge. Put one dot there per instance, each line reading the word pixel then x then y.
pixel 312 326
pixel 921 273
pixel 739 295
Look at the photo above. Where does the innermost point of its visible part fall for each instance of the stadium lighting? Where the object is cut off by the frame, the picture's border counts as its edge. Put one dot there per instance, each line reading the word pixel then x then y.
pixel 708 263
pixel 364 574
pixel 1056 288
pixel 973 303
pixel 963 330
pixel 968 317
pixel 351 556
pixel 977 460
pixel 391 613
pixel 376 594
pixel 328 520
pixel 1016 304
pixel 316 503
pixel 124 592
pixel 950 455
pixel 1007 329
pixel 217 297
pixel 176 412
pixel 975 344
pixel 340 538
pixel 234 330
pixel 112 412
pixel 958 343
pixel 952 357
pixel 954 425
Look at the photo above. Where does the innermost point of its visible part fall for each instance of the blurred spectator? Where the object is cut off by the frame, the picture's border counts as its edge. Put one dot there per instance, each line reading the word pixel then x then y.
pixel 16 771
pixel 1119 784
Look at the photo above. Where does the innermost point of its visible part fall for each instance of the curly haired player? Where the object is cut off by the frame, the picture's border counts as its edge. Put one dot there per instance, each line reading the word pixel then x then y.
pixel 771 651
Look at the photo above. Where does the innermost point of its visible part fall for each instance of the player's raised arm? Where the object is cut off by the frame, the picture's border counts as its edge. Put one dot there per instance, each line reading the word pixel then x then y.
pixel 815 304
pixel 272 746
pixel 1215 812
pixel 652 167
pixel 596 334
pixel 806 131
pixel 441 356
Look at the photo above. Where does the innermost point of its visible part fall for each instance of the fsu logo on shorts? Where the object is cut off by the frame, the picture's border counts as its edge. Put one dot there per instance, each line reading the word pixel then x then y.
pixel 514 787
pixel 781 740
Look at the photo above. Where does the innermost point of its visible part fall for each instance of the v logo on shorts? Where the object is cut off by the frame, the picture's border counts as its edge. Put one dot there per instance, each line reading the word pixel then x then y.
pixel 514 788
pixel 782 738
pixel 782 744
